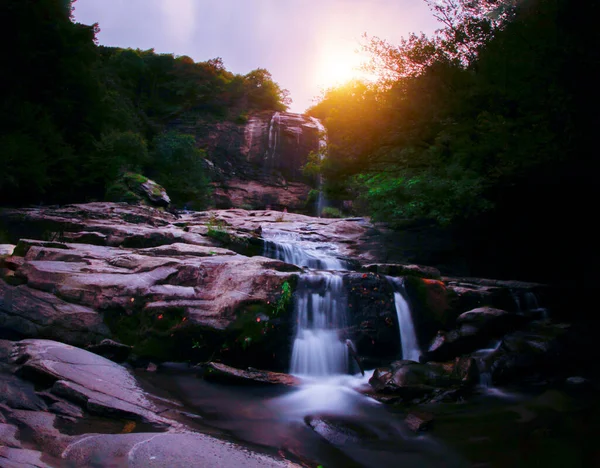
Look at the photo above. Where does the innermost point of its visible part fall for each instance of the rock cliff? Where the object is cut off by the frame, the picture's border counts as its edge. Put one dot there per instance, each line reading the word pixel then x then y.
pixel 258 164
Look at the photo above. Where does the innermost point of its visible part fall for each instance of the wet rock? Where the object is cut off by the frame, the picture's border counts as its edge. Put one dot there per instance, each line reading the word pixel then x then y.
pixel 392 269
pixel 41 430
pixel 110 349
pixel 165 450
pixel 8 436
pixel 20 458
pixel 66 409
pixel 19 394
pixel 89 380
pixel 531 353
pixel 419 421
pixel 373 319
pixel 429 300
pixel 410 380
pixel 34 313
pixel 6 249
pixel 475 329
pixel 340 432
pixel 217 372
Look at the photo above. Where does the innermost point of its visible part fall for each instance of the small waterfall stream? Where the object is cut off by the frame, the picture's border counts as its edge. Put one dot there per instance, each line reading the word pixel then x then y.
pixel 408 337
pixel 321 313
pixel 274 130
pixel 321 201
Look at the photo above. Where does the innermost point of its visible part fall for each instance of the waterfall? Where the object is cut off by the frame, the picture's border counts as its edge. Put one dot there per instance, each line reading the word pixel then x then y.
pixel 527 301
pixel 321 201
pixel 485 376
pixel 408 337
pixel 274 129
pixel 321 312
pixel 321 303
pixel 290 248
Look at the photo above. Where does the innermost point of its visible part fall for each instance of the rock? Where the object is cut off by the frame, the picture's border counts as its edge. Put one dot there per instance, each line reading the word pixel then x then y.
pixel 20 458
pixel 475 330
pixel 89 380
pixel 340 432
pixel 217 372
pixel 66 409
pixel 409 379
pixel 429 300
pixel 373 325
pixel 6 249
pixel 104 388
pixel 110 349
pixel 142 450
pixel 532 353
pixel 74 291
pixel 419 421
pixel 40 314
pixel 391 269
pixel 8 435
pixel 151 367
pixel 19 394
pixel 155 193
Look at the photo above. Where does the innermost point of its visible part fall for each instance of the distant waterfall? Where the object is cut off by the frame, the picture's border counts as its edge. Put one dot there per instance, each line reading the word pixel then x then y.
pixel 321 306
pixel 408 337
pixel 321 201
pixel 274 130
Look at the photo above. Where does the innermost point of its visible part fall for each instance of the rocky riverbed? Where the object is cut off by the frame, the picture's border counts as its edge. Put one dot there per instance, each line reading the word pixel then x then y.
pixel 97 299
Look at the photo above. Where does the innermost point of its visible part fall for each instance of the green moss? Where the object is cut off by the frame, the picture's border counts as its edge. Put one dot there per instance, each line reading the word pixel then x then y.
pixel 133 178
pixel 152 334
pixel 330 212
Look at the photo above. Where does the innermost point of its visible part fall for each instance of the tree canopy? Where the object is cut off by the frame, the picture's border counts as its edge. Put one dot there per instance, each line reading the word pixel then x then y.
pixel 75 115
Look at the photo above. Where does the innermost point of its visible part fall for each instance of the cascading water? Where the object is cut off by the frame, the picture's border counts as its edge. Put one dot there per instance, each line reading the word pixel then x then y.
pixel 408 337
pixel 290 248
pixel 274 128
pixel 321 313
pixel 527 301
pixel 321 201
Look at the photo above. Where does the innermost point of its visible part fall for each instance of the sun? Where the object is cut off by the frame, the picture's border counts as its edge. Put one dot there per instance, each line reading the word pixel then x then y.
pixel 337 64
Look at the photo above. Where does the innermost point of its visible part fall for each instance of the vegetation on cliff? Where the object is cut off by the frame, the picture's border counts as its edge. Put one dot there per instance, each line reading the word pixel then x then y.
pixel 76 115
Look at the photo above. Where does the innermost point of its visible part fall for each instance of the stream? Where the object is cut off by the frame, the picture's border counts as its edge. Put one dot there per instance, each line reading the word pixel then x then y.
pixel 329 421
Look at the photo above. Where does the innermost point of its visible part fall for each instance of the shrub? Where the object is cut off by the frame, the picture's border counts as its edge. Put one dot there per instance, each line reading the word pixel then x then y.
pixel 331 212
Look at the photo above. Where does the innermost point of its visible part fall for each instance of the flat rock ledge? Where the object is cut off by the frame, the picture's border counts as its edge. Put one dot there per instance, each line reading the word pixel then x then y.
pixel 48 389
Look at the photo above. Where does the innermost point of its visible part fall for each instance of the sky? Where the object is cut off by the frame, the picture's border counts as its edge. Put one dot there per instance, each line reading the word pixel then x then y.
pixel 307 45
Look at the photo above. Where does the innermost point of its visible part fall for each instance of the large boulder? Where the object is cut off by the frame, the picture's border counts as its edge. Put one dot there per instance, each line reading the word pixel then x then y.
pixel 160 304
pixel 78 390
pixel 474 330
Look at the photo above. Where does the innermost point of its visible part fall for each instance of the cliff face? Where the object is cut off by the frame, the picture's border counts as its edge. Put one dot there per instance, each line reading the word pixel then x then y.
pixel 259 164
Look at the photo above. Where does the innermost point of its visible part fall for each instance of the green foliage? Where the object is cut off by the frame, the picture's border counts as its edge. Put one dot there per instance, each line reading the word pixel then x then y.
pixel 313 166
pixel 75 115
pixel 331 212
pixel 459 119
pixel 116 153
pixel 264 93
pixel 258 320
pixel 284 300
pixel 217 229
pixel 178 165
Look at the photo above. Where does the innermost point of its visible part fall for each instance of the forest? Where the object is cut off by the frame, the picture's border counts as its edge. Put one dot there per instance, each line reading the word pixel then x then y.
pixel 75 115
pixel 477 130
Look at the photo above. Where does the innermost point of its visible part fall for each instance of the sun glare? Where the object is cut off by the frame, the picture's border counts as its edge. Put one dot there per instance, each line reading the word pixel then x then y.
pixel 338 65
